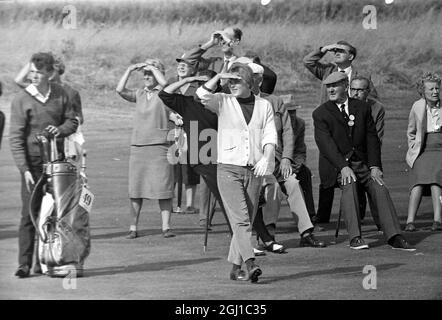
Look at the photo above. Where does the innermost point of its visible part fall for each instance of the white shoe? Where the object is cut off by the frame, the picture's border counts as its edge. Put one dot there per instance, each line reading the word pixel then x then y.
pixel 258 252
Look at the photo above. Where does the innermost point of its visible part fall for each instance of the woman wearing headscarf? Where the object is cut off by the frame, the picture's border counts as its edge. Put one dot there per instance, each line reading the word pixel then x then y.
pixel 424 154
pixel 150 174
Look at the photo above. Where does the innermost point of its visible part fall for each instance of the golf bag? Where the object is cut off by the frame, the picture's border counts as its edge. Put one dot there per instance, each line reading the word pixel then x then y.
pixel 63 220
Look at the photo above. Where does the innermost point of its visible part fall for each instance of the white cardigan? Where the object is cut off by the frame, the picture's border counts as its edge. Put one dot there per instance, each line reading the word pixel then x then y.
pixel 238 143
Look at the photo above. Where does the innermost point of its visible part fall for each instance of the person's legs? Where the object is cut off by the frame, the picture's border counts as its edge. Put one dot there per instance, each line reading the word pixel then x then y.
pixel 304 176
pixel 296 203
pixel 135 208
pixel 437 205
pixel 325 204
pixel 166 208
pixel 384 205
pixel 362 201
pixel 209 174
pixel 239 190
pixel 26 232
pixel 414 202
pixel 207 202
pixel 190 197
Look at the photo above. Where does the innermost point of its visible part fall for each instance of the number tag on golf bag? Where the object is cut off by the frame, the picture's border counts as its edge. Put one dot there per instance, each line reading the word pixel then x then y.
pixel 86 199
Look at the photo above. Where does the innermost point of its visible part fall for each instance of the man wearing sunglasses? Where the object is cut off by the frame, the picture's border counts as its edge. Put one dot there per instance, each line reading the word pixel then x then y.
pixel 344 55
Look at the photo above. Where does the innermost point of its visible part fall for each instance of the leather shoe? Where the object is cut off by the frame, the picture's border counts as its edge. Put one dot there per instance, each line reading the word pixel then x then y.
pixel 274 247
pixel 131 235
pixel 310 241
pixel 254 273
pixel 437 226
pixel 357 244
pixel 399 242
pixel 410 227
pixel 168 234
pixel 22 271
pixel 238 275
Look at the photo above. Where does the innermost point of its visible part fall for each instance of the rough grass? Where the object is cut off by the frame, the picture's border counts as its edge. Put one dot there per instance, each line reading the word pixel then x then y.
pixel 97 54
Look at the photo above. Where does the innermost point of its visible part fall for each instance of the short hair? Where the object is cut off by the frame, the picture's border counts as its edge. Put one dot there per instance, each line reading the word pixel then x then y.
pixel 43 60
pixel 427 77
pixel 244 72
pixel 157 63
pixel 59 65
pixel 362 78
pixel 237 33
pixel 352 50
pixel 254 56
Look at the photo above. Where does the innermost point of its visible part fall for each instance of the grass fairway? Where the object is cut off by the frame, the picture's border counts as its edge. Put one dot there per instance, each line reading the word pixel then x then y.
pixel 151 267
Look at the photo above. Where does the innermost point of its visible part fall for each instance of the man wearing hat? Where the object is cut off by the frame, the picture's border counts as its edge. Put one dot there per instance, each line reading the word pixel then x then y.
pixel 349 153
pixel 344 55
pixel 303 173
pixel 284 169
pixel 269 77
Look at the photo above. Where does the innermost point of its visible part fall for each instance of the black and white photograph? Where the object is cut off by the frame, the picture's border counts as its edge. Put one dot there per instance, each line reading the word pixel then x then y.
pixel 220 155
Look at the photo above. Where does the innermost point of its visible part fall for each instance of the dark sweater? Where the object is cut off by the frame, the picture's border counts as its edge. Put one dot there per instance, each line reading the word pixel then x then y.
pixel 247 105
pixel 30 116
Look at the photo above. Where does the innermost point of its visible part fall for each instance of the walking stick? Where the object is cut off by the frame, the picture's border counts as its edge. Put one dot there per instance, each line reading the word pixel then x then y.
pixel 337 225
pixel 207 222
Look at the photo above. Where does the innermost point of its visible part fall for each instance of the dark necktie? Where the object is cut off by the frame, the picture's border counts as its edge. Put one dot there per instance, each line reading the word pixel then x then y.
pixel 344 114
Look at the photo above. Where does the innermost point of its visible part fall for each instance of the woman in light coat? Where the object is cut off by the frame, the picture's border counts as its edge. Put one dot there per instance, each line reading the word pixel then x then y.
pixel 424 154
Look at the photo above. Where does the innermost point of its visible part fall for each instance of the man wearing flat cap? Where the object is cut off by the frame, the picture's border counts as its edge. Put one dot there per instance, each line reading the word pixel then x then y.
pixel 349 153
pixel 344 55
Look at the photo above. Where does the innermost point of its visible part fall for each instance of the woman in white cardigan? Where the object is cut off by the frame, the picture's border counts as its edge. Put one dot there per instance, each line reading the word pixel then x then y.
pixel 246 145
pixel 424 154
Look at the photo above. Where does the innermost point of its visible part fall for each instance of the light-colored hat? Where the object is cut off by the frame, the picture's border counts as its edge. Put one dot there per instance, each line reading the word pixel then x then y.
pixel 256 68
pixel 335 77
pixel 289 102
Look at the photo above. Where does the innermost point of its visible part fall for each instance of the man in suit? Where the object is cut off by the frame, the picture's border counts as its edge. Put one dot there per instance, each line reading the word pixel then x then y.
pixel 360 89
pixel 349 153
pixel 344 56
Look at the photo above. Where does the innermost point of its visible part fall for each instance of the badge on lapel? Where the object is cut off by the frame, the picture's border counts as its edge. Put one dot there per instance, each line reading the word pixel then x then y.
pixel 351 123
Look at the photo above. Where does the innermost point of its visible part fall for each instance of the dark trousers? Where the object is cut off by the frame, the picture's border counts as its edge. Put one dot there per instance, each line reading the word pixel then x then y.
pixel 381 201
pixel 363 205
pixel 26 231
pixel 325 204
pixel 304 176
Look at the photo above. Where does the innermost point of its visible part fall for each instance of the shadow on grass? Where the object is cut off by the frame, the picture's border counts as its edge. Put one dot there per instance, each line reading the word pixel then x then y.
pixel 145 267
pixel 413 238
pixel 153 232
pixel 356 270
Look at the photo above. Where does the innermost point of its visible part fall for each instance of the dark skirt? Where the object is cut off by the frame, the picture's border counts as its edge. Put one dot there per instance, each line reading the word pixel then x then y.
pixel 150 174
pixel 427 168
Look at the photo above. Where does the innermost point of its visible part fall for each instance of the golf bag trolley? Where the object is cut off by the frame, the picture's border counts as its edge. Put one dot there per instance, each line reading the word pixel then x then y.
pixel 62 223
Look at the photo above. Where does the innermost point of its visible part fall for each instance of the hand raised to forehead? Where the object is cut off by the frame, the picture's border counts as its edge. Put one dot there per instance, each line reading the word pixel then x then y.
pixel 229 76
pixel 201 78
